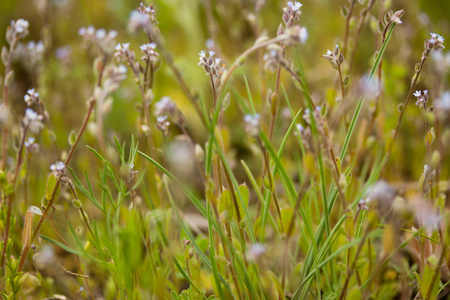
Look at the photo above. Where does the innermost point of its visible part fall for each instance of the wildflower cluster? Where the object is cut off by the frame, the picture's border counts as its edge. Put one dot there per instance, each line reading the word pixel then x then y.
pixel 31 97
pixel 32 120
pixel 422 98
pixel 142 18
pixel 33 100
pixel 436 42
pixel 212 66
pixel 32 53
pixel 99 38
pixel 31 145
pixel 17 30
pixel 150 53
pixel 291 13
pixel 59 169
pixel 335 57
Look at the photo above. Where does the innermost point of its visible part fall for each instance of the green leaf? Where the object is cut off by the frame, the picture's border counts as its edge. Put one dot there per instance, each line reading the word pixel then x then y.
pixel 72 138
pixel 287 217
pixel 60 245
pixel 226 206
pixel 277 285
pixel 245 196
pixel 51 183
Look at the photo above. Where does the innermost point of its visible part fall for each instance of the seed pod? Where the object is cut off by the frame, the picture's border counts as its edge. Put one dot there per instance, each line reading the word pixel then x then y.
pixel 27 230
pixel 341 58
pixel 380 26
pixel 5 55
pixel 77 203
pixel 344 11
pixel 9 78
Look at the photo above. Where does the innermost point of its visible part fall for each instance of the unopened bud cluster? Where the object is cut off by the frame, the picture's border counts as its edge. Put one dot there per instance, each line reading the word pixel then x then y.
pixel 211 65
pixel 389 18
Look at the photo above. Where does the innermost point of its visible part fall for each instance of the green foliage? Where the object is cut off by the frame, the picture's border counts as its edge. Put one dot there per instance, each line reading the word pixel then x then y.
pixel 272 176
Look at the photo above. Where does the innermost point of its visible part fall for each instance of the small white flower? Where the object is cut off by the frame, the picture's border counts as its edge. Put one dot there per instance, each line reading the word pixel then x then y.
pixel 209 43
pixel 303 35
pixel 30 114
pixel 32 120
pixel 31 45
pixel 82 31
pixel 122 69
pixel 202 53
pixel 252 124
pixel 256 251
pixel 112 34
pixel 58 168
pixel 396 19
pixel 40 47
pixel 30 141
pixel 417 94
pixel 295 6
pixel 90 30
pixel 21 25
pixel 443 103
pixel 211 53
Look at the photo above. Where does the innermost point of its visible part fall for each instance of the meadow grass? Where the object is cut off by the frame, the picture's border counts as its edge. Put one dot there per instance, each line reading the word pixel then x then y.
pixel 265 167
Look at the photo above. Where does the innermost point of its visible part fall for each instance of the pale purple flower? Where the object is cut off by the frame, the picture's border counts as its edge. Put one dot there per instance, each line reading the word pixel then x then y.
pixel 31 97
